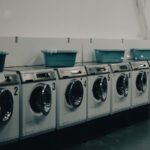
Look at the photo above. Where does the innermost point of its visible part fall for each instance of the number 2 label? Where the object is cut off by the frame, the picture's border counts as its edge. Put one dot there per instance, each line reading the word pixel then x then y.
pixel 15 91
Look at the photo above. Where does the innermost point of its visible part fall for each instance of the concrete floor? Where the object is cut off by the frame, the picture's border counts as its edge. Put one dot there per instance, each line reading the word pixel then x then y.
pixel 128 130
pixel 135 137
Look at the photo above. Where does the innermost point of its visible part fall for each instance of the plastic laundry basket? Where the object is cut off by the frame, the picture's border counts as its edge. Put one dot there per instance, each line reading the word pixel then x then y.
pixel 140 54
pixel 2 60
pixel 59 58
pixel 109 56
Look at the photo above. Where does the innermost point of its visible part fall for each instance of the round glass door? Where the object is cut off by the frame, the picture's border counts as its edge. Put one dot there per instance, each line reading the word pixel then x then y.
pixel 122 85
pixel 6 105
pixel 74 94
pixel 40 100
pixel 141 81
pixel 100 89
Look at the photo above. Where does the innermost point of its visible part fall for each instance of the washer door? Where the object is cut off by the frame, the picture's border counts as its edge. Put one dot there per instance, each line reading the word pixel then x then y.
pixel 74 94
pixel 141 81
pixel 122 85
pixel 100 89
pixel 40 100
pixel 6 105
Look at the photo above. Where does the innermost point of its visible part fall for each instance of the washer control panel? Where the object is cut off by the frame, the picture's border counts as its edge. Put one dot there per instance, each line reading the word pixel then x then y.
pixel 8 78
pixel 120 67
pixel 138 65
pixel 70 72
pixel 97 69
pixel 38 76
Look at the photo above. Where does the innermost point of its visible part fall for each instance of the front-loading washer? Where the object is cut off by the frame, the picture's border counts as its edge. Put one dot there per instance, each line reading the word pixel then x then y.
pixel 149 85
pixel 9 107
pixel 99 90
pixel 38 100
pixel 140 82
pixel 71 96
pixel 121 87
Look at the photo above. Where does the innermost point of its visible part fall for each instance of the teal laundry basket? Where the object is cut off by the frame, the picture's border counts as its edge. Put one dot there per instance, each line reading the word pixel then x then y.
pixel 2 60
pixel 109 56
pixel 59 58
pixel 140 54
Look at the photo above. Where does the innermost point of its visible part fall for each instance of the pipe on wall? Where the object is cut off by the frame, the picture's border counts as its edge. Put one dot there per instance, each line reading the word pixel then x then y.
pixel 140 6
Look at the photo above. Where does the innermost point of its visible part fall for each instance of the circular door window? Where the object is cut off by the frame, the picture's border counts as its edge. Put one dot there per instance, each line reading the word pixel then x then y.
pixel 6 105
pixel 100 89
pixel 40 100
pixel 141 81
pixel 122 85
pixel 74 93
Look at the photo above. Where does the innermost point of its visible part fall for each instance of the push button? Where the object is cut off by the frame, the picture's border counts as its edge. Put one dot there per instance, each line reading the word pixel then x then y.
pixel 8 78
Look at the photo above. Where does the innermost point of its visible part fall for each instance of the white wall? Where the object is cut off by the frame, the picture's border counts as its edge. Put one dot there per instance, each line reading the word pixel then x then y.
pixel 69 18
pixel 146 11
pixel 28 50
pixel 104 44
pixel 83 19
pixel 140 44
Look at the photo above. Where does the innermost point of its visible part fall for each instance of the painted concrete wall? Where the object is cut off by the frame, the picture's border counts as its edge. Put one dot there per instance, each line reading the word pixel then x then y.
pixel 37 22
pixel 140 44
pixel 27 51
pixel 70 18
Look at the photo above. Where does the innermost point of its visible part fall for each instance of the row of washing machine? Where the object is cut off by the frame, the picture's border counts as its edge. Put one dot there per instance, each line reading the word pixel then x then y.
pixel 117 87
pixel 35 100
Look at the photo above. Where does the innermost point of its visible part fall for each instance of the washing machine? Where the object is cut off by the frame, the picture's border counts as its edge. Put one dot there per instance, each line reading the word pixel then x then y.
pixel 71 96
pixel 121 87
pixel 38 100
pixel 149 86
pixel 140 83
pixel 99 90
pixel 9 107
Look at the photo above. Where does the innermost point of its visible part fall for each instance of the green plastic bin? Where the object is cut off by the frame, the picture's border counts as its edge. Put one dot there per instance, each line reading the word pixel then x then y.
pixel 109 56
pixel 2 60
pixel 140 54
pixel 59 58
